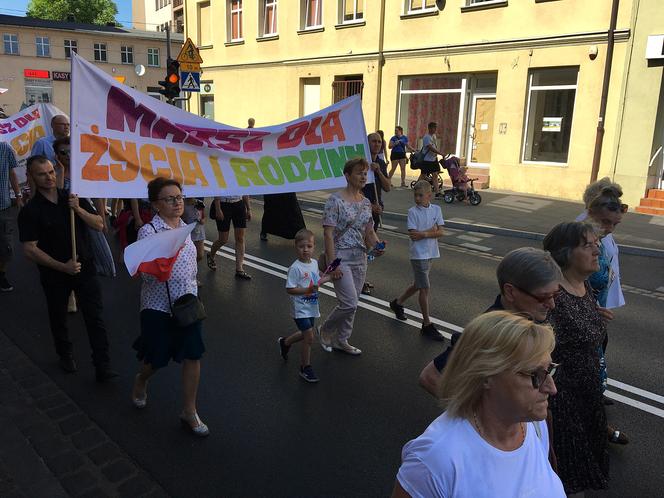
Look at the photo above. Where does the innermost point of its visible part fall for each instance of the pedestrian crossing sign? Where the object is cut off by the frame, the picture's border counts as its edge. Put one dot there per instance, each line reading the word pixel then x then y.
pixel 191 82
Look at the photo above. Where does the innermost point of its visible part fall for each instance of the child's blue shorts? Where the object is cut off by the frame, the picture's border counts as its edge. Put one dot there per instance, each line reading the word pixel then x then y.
pixel 304 324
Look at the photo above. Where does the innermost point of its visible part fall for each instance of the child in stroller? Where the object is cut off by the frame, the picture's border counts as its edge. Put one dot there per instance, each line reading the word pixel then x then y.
pixel 457 169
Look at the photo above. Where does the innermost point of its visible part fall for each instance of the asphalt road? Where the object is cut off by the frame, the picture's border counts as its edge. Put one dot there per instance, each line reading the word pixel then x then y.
pixel 275 435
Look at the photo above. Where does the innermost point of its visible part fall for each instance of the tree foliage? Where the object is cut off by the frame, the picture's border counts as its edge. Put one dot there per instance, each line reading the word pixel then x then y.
pixel 83 11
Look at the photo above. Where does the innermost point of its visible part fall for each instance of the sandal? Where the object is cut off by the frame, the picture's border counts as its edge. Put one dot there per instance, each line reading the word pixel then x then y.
pixel 366 290
pixel 194 424
pixel 212 265
pixel 139 402
pixel 344 347
pixel 617 437
pixel 242 275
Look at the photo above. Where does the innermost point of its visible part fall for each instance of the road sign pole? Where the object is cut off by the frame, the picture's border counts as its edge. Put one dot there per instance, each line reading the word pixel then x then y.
pixel 168 53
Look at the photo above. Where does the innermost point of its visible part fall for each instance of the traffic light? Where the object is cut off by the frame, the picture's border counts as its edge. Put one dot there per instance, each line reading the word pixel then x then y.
pixel 171 85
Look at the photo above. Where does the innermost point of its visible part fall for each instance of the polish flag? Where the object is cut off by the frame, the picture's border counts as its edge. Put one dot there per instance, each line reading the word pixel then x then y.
pixel 157 253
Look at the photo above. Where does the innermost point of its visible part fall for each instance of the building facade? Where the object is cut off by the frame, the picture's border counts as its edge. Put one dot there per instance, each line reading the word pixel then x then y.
pixel 514 86
pixel 36 58
pixel 156 15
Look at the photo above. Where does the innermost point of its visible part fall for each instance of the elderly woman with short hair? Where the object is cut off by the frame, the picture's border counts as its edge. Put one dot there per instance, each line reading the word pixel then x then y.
pixel 579 419
pixel 492 439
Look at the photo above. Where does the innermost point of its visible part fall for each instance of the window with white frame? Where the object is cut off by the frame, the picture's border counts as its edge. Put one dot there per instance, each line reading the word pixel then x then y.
pixel 11 44
pixel 127 55
pixel 268 22
pixel 351 11
pixel 311 12
pixel 43 46
pixel 70 46
pixel 153 57
pixel 234 20
pixel 100 52
pixel 417 6
pixel 548 123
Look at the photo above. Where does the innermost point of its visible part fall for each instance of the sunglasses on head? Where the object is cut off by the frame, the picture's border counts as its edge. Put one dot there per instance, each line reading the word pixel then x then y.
pixel 615 206
pixel 538 377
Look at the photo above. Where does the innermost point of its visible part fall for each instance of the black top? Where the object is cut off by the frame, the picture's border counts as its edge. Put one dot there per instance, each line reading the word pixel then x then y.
pixel 441 360
pixel 368 189
pixel 49 224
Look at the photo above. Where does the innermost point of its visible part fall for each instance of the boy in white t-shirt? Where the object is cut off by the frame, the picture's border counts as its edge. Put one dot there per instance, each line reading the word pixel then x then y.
pixel 425 222
pixel 302 284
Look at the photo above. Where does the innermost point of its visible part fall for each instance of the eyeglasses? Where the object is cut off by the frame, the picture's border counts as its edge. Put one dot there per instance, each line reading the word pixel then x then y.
pixel 64 152
pixel 539 299
pixel 538 377
pixel 615 206
pixel 173 200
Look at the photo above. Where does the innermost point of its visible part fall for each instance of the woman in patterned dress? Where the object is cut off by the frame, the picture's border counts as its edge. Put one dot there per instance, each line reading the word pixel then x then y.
pixel 579 419
pixel 348 231
pixel 161 338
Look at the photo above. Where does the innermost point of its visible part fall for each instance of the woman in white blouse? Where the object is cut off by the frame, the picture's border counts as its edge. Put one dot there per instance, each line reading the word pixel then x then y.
pixel 161 338
pixel 492 441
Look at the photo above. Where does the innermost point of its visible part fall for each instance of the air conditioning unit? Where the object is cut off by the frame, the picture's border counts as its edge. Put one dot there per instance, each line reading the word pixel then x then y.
pixel 655 47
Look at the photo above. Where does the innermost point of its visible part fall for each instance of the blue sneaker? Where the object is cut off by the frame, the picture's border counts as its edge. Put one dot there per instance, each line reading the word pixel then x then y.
pixel 307 373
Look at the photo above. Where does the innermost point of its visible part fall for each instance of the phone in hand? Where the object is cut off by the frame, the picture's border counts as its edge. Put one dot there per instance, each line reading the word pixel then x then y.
pixel 333 265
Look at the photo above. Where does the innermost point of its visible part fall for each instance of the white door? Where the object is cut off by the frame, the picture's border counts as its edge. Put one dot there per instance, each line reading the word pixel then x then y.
pixel 310 96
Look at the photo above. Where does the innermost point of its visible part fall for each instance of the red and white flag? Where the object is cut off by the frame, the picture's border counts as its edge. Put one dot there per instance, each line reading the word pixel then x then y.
pixel 157 253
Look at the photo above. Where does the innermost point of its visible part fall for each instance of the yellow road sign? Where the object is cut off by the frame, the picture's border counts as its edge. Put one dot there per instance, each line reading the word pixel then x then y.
pixel 190 67
pixel 121 79
pixel 189 53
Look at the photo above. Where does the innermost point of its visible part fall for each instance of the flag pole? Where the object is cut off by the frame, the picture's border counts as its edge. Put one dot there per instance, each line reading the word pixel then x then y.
pixel 72 221
pixel 380 218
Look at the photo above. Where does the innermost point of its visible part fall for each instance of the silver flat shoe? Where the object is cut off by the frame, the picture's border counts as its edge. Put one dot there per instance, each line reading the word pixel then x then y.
pixel 142 402
pixel 323 343
pixel 194 425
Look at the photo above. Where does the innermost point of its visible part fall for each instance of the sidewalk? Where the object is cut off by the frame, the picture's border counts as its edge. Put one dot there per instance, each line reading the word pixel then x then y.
pixel 48 446
pixel 514 214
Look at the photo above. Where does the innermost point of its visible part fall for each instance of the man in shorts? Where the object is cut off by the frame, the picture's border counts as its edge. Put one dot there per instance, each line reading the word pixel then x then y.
pixel 429 165
pixel 223 211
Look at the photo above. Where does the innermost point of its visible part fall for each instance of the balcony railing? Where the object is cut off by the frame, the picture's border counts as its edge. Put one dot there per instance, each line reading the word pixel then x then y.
pixel 344 89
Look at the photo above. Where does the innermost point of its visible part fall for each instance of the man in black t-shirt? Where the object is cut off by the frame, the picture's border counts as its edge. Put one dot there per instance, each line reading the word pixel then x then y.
pixel 45 230
pixel 529 280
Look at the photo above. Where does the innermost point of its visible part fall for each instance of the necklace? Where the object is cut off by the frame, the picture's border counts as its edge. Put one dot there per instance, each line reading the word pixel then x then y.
pixel 479 430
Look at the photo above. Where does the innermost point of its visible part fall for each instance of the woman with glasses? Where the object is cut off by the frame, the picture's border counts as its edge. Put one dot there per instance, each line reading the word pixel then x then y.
pixel 579 419
pixel 161 338
pixel 492 439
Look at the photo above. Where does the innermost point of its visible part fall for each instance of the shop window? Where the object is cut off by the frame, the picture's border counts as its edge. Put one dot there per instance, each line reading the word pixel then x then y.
pixel 100 52
pixel 70 46
pixel 204 25
pixel 423 99
pixel 38 91
pixel 351 11
pixel 234 20
pixel 417 6
pixel 11 44
pixel 312 14
pixel 548 123
pixel 43 46
pixel 153 57
pixel 268 24
pixel 345 86
pixel 127 55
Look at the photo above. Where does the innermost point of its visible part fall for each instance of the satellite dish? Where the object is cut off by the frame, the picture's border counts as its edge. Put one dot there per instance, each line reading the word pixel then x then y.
pixel 139 69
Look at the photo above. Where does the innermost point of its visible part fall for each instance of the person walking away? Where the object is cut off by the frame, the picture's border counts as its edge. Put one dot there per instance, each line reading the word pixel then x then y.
pixel 374 191
pixel 302 285
pixel 46 233
pixel 225 210
pixel 162 339
pixel 425 227
pixel 399 146
pixel 429 164
pixel 7 178
pixel 348 231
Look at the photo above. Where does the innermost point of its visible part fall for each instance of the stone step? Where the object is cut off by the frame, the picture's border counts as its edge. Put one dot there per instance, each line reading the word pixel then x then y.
pixel 652 202
pixel 650 210
pixel 655 193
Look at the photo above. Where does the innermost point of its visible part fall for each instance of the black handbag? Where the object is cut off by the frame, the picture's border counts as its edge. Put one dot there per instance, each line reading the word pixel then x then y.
pixel 187 309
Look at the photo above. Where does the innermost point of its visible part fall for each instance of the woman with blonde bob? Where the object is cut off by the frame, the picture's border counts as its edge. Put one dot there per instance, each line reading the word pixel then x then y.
pixel 492 441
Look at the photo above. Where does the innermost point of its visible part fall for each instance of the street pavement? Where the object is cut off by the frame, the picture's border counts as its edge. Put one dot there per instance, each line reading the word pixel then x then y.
pixel 273 434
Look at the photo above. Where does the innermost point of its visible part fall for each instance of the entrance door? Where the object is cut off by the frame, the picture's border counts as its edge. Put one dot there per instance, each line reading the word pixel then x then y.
pixel 310 102
pixel 481 131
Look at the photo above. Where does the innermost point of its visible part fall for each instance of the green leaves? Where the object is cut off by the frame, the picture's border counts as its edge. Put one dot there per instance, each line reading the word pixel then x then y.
pixel 83 11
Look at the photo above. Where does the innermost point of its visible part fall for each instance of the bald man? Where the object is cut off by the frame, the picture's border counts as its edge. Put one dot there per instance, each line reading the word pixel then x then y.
pixel 44 146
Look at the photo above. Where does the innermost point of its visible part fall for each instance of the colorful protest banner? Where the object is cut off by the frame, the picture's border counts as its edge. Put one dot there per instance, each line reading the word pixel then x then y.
pixel 23 129
pixel 122 139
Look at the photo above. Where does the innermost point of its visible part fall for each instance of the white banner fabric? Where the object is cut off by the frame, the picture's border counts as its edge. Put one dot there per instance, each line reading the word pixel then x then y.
pixel 122 139
pixel 23 129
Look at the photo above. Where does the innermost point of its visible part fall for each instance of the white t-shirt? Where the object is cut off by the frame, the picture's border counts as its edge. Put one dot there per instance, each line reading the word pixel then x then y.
pixel 614 295
pixel 302 275
pixel 429 140
pixel 423 218
pixel 450 459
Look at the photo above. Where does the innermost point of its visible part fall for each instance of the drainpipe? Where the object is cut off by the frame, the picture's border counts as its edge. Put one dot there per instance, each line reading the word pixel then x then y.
pixel 599 139
pixel 381 63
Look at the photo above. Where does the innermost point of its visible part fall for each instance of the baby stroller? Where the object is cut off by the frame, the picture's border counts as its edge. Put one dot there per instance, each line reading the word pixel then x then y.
pixel 460 189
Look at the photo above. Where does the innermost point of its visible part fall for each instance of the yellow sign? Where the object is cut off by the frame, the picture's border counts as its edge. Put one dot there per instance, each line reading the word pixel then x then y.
pixel 121 79
pixel 190 67
pixel 189 53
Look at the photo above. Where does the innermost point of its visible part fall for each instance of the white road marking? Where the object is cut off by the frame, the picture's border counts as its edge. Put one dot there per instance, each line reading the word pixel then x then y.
pixel 389 227
pixel 460 220
pixel 660 289
pixel 657 220
pixel 475 246
pixel 519 203
pixel 511 207
pixel 314 210
pixel 253 262
pixel 469 238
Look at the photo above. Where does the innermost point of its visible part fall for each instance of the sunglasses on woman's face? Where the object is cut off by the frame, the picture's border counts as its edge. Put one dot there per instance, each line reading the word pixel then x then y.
pixel 615 206
pixel 540 299
pixel 538 377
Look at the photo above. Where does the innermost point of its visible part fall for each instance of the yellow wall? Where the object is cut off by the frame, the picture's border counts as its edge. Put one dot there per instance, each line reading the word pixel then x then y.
pixel 262 78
